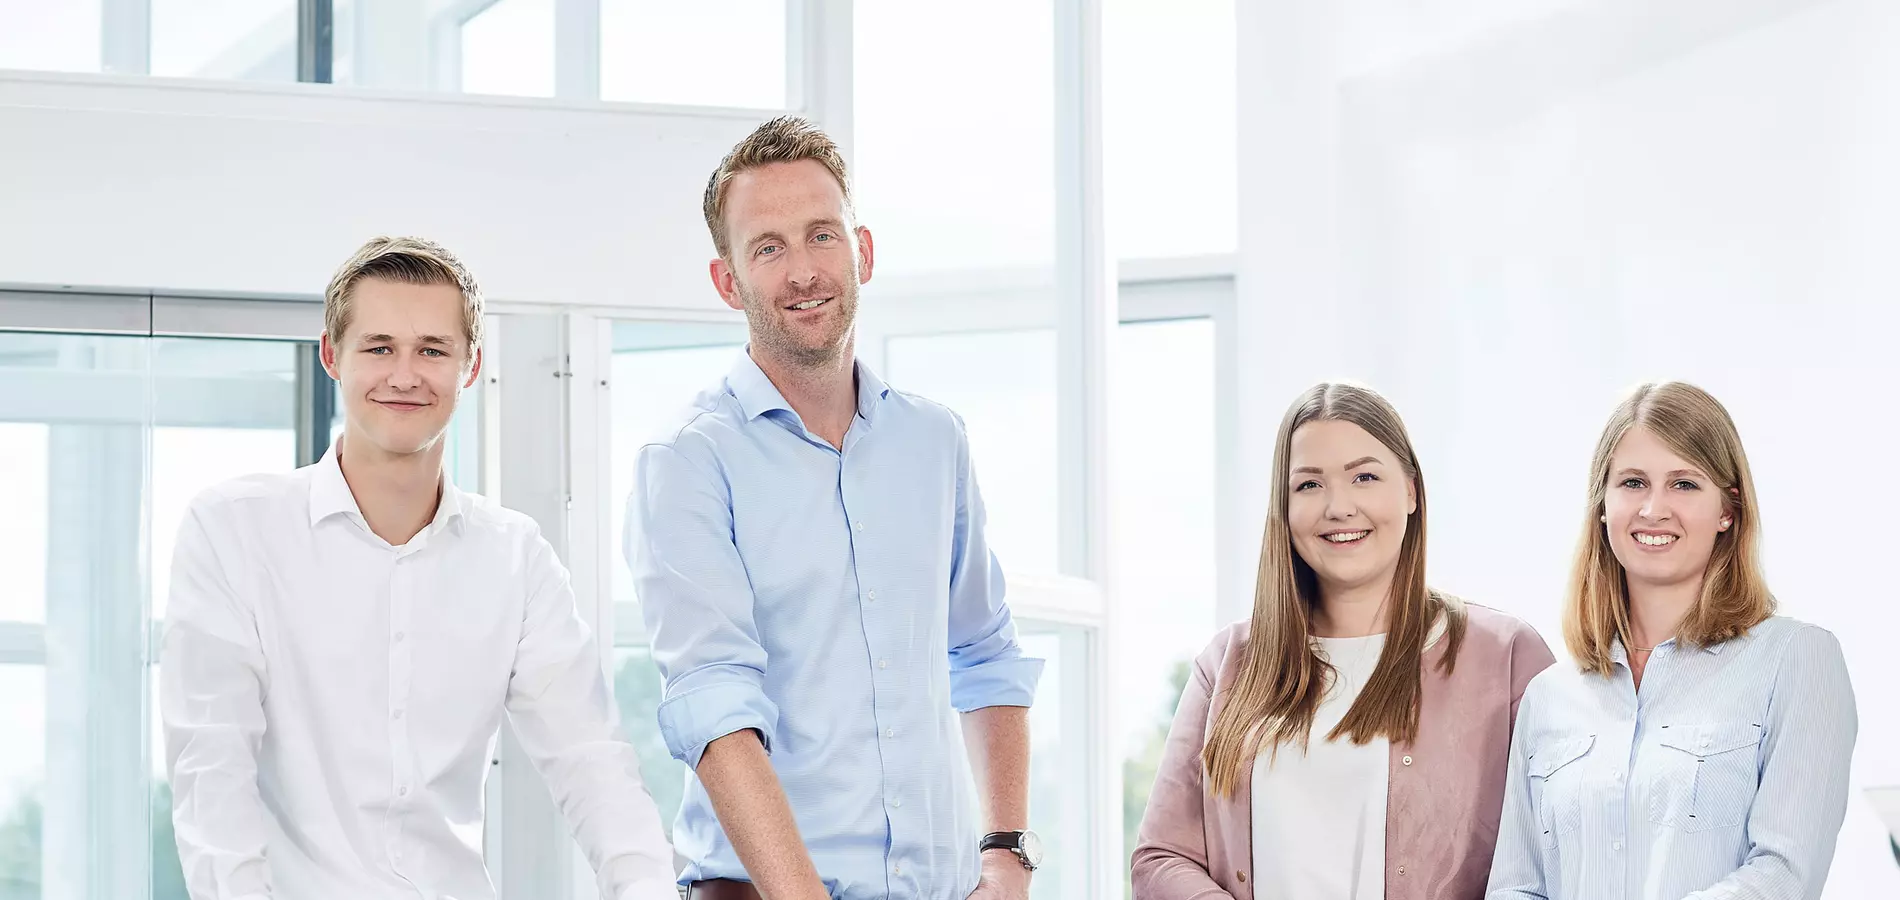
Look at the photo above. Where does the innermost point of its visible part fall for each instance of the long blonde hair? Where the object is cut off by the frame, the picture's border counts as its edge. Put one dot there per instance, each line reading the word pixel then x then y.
pixel 1282 677
pixel 1735 595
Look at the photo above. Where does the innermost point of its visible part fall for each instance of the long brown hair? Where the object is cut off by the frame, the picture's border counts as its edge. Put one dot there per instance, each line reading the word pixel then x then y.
pixel 1735 595
pixel 1282 677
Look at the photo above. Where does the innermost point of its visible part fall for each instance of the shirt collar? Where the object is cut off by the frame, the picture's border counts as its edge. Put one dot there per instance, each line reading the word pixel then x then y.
pixel 1620 654
pixel 757 395
pixel 330 494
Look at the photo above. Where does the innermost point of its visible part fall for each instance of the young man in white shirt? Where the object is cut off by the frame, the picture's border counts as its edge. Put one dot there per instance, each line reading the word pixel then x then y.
pixel 342 641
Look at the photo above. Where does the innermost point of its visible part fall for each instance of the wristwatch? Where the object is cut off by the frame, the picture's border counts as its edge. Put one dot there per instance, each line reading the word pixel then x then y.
pixel 1025 844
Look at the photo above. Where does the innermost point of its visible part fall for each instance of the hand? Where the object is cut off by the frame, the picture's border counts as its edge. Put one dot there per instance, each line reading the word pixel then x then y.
pixel 1004 877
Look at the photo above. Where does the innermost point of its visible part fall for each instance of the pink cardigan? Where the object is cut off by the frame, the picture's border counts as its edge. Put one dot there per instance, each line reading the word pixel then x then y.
pixel 1442 802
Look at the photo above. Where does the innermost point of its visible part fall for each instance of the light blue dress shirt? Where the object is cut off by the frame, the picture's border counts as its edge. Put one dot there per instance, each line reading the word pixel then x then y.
pixel 1724 778
pixel 845 605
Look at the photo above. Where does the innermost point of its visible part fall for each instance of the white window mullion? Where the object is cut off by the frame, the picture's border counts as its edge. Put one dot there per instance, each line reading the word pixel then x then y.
pixel 125 34
pixel 577 49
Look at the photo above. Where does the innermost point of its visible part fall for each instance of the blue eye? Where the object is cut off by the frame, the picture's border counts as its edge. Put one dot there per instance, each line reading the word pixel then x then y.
pixel 1687 485
pixel 1306 484
pixel 1635 484
pixel 1365 475
pixel 766 251
pixel 434 352
pixel 376 350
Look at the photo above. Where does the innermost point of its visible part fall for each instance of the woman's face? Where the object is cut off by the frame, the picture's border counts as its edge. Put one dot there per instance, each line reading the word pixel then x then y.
pixel 1662 514
pixel 1348 504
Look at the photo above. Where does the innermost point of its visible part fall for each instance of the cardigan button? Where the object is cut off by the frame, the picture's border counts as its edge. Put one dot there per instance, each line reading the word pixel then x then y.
pixel 1241 875
pixel 1407 760
pixel 1401 870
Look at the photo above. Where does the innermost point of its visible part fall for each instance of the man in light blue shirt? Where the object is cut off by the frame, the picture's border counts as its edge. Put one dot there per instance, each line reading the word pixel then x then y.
pixel 842 672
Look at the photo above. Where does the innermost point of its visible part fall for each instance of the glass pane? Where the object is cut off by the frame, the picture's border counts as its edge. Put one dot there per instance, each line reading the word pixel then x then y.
pixel 22 779
pixel 1168 106
pixel 508 48
pixel 638 691
pixel 168 876
pixel 936 205
pixel 657 368
pixel 23 494
pixel 1161 483
pixel 1003 384
pixel 654 52
pixel 50 35
pixel 1053 780
pixel 242 40
pixel 225 408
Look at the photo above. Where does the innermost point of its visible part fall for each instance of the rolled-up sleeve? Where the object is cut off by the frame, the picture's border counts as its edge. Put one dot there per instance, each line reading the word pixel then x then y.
pixel 697 604
pixel 987 665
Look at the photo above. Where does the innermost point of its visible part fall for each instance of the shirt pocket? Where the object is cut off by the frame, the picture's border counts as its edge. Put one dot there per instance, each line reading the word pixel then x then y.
pixel 1556 772
pixel 1707 776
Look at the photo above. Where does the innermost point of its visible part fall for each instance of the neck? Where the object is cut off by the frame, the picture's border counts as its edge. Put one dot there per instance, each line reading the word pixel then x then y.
pixel 397 492
pixel 823 393
pixel 1657 610
pixel 1352 611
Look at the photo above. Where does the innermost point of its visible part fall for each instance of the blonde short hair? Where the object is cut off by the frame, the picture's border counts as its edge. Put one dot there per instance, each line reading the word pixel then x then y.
pixel 405 260
pixel 784 139
pixel 1735 594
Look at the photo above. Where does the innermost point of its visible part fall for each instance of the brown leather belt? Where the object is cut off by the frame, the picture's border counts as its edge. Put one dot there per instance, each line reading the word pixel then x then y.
pixel 722 889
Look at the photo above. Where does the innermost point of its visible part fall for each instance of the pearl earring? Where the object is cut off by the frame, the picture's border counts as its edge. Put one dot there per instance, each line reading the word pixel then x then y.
pixel 1605 517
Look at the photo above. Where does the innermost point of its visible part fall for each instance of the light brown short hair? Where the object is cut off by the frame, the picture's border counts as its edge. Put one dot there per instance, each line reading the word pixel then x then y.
pixel 405 260
pixel 784 139
pixel 1735 594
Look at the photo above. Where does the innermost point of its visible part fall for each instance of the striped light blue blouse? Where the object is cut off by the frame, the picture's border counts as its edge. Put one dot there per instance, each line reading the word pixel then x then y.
pixel 1725 777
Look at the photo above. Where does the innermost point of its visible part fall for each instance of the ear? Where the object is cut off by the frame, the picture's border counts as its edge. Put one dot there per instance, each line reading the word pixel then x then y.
pixel 865 255
pixel 725 281
pixel 474 370
pixel 326 352
pixel 1411 496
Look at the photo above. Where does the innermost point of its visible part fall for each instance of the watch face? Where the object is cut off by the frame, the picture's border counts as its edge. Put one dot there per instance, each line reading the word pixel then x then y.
pixel 1031 847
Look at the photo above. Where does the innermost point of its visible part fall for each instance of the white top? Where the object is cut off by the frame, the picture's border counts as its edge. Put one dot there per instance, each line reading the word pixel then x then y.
pixel 330 702
pixel 1319 816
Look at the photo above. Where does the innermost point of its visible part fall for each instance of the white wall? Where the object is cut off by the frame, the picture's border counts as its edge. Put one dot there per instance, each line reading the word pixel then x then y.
pixel 196 186
pixel 1528 228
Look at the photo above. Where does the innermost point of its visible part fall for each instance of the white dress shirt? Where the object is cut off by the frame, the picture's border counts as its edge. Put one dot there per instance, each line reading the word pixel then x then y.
pixel 330 702
pixel 1319 815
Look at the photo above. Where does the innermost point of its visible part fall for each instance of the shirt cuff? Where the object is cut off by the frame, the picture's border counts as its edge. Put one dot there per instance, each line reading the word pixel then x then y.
pixel 999 682
pixel 702 715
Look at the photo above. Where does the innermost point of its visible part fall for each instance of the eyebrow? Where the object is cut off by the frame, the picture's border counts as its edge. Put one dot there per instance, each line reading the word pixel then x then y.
pixel 1676 473
pixel 833 224
pixel 1314 470
pixel 431 339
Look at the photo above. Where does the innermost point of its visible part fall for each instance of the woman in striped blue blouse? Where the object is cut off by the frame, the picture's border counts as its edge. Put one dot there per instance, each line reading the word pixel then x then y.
pixel 1699 747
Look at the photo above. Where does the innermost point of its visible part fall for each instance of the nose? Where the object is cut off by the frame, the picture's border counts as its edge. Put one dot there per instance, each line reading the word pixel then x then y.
pixel 403 375
pixel 1339 505
pixel 801 270
pixel 1655 505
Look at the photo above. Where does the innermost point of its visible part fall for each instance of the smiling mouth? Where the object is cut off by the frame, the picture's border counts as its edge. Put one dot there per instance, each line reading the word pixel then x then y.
pixel 1345 537
pixel 809 304
pixel 1654 540
pixel 402 404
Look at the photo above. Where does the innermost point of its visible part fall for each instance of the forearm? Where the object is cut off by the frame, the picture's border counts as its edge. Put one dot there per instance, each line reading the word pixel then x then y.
pixel 997 738
pixel 757 818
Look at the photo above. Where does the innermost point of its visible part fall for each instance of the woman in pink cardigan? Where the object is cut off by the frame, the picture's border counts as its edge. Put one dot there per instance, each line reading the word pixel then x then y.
pixel 1349 742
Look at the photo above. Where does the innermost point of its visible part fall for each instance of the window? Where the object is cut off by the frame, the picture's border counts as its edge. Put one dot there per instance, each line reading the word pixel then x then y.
pixel 508 48
pixel 656 52
pixel 656 370
pixel 50 35
pixel 922 103
pixel 1162 486
pixel 1003 385
pixel 1168 106
pixel 243 40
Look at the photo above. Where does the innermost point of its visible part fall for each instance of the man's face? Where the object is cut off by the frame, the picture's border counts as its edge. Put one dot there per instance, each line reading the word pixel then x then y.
pixel 796 261
pixel 402 364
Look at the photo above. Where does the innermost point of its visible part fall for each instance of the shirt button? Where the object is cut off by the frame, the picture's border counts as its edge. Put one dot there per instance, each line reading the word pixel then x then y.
pixel 860 526
pixel 890 733
pixel 897 870
pixel 883 663
pixel 1616 845
pixel 1407 760
pixel 400 636
pixel 871 596
pixel 397 715
pixel 897 801
pixel 402 791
